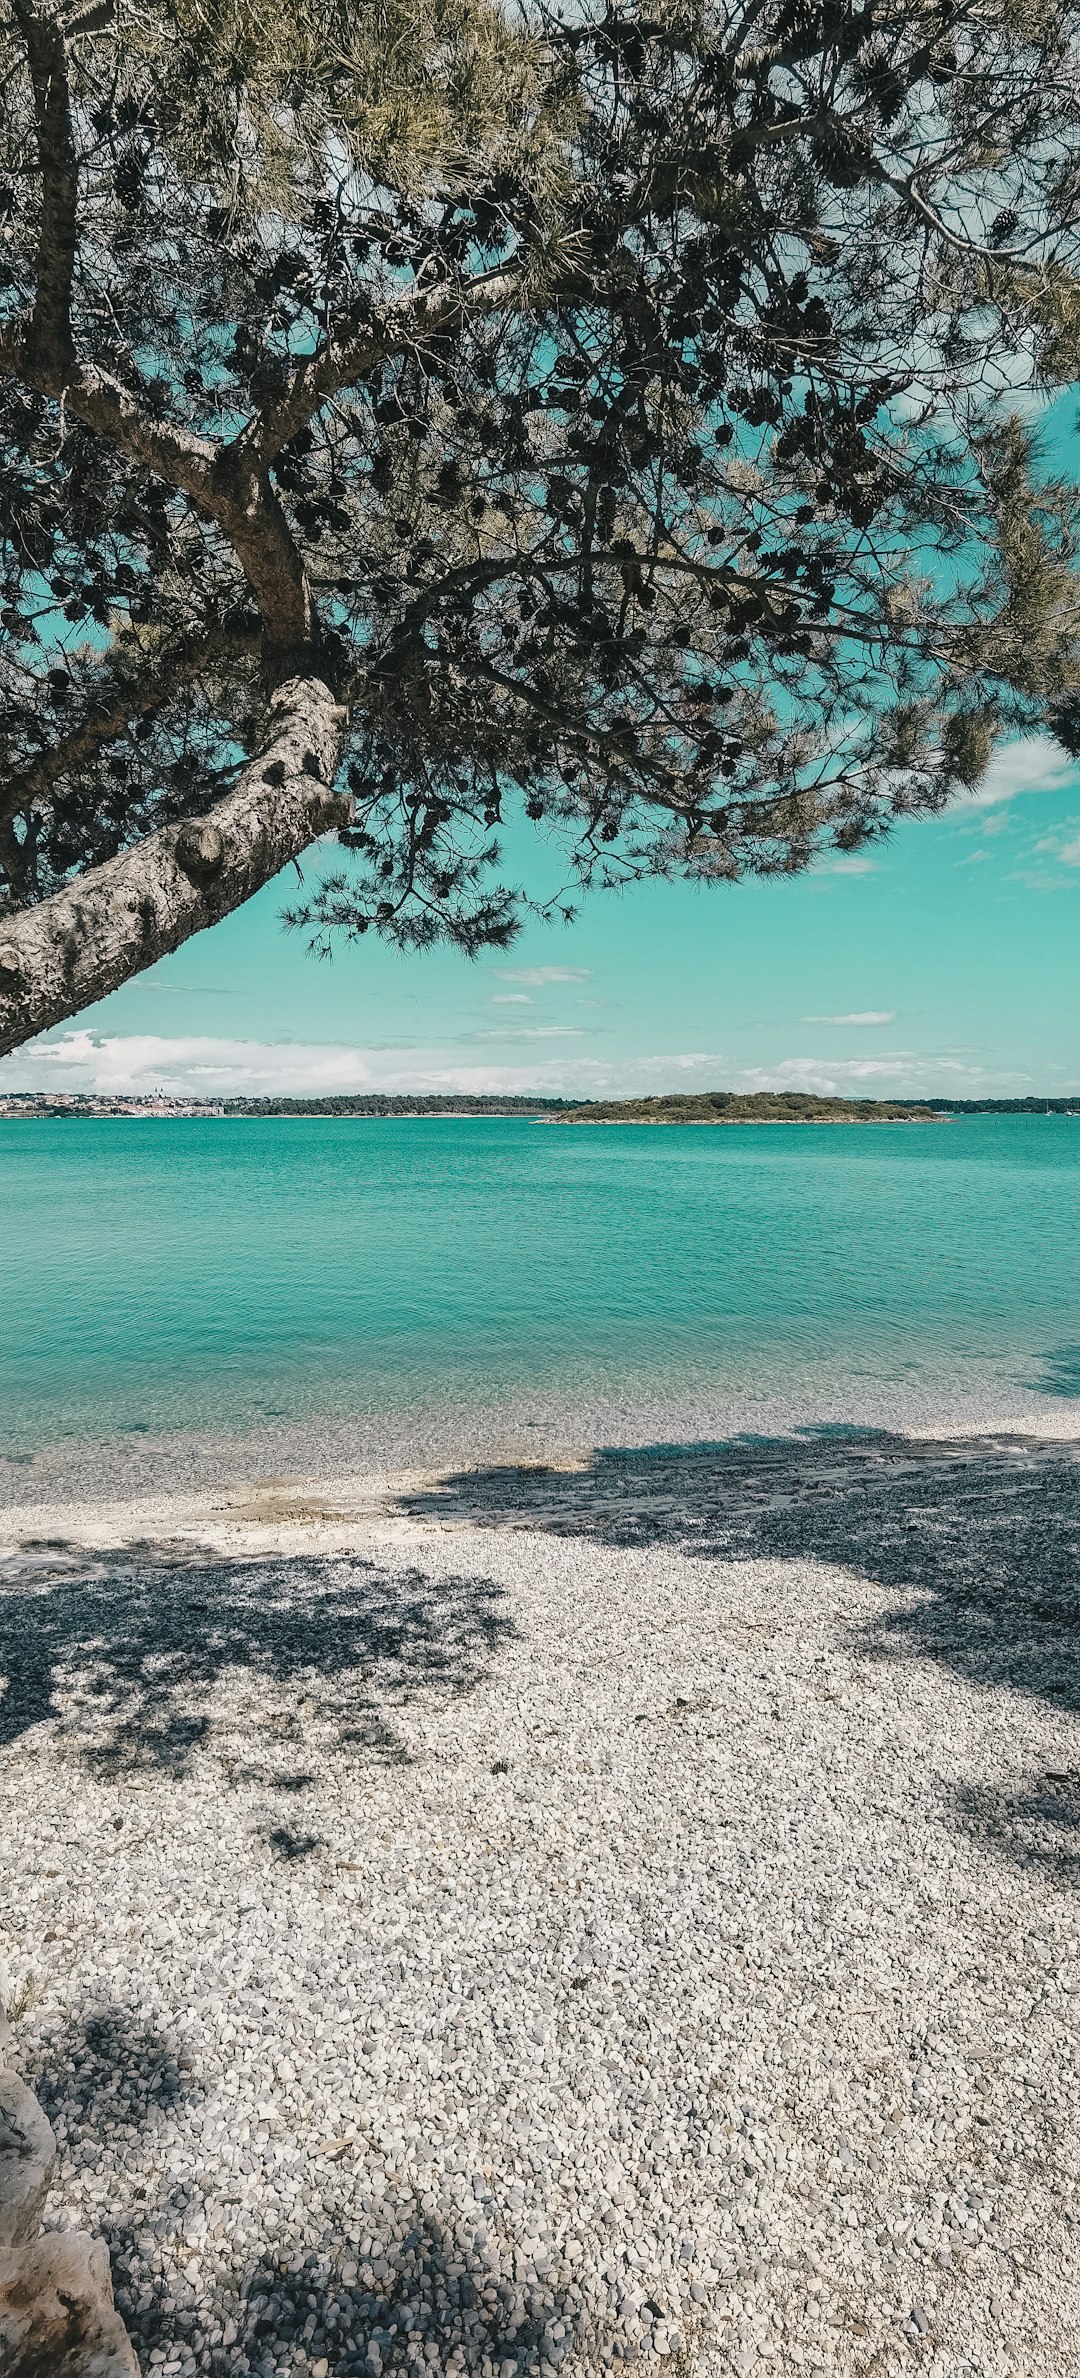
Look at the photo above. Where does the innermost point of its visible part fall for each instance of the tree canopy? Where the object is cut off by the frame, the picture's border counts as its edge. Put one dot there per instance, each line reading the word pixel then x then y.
pixel 413 411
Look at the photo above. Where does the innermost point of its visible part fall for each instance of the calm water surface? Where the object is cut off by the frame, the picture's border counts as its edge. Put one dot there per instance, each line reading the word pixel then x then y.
pixel 175 1275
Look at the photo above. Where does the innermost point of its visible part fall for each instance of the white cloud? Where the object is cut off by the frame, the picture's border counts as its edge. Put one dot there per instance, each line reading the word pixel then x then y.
pixel 852 866
pixel 505 1032
pixel 692 1063
pixel 1064 846
pixel 536 976
pixel 195 1065
pixel 831 1076
pixel 1029 764
pixel 903 1073
pixel 200 1067
pixel 866 1015
pixel 510 999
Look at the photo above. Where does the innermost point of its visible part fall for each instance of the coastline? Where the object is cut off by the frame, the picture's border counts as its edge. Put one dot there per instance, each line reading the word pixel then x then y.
pixel 446 1115
pixel 536 1430
pixel 734 1122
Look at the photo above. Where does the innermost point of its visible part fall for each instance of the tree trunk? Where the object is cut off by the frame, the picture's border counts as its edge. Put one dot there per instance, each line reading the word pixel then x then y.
pixel 117 919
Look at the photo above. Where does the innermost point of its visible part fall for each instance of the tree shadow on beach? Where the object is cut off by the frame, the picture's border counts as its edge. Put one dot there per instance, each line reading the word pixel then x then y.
pixel 979 1538
pixel 426 2294
pixel 111 2070
pixel 1038 1826
pixel 420 2284
pixel 125 1652
pixel 427 2285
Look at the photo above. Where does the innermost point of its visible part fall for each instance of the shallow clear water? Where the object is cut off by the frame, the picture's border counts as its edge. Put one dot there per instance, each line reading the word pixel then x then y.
pixel 180 1275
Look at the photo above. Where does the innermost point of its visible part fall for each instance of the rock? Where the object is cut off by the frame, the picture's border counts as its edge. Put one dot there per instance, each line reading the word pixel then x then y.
pixel 56 2312
pixel 27 2157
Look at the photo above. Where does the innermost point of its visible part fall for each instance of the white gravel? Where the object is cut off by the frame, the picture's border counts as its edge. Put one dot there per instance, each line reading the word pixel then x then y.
pixel 637 1919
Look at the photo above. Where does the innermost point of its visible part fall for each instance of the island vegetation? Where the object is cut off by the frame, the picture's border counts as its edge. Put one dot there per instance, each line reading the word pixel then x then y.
pixel 759 1106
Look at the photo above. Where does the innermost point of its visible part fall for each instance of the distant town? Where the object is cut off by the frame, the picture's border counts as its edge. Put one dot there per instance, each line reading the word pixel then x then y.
pixel 86 1105
pixel 44 1105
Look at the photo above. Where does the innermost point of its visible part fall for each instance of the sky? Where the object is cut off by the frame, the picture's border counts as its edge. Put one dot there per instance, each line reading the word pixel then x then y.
pixel 947 960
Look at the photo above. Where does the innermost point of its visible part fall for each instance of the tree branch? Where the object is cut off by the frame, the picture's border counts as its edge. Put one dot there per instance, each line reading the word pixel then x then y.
pixel 249 510
pixel 361 344
pixel 117 703
pixel 241 501
pixel 49 332
pixel 120 918
pixel 960 240
pixel 226 482
pixel 41 351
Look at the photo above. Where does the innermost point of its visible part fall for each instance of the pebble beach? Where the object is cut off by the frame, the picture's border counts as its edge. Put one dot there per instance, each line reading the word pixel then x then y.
pixel 611 1911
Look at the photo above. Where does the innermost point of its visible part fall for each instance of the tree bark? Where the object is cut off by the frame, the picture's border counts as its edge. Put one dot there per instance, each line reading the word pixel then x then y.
pixel 118 919
pixel 49 330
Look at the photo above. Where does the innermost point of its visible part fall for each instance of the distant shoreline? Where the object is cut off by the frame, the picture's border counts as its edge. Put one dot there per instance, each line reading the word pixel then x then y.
pixel 462 1115
pixel 733 1122
pixel 297 1115
pixel 85 1108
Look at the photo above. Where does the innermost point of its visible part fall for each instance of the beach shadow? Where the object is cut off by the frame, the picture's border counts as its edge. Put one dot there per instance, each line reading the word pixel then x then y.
pixel 123 1654
pixel 424 2293
pixel 979 1539
pixel 1036 1827
pixel 424 2284
pixel 113 2075
pixel 110 2070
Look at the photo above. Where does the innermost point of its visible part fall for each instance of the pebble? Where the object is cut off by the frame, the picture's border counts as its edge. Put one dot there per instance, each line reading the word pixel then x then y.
pixel 497 1950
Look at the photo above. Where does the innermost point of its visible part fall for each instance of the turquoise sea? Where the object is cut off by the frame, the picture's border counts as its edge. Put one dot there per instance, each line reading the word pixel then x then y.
pixel 215 1276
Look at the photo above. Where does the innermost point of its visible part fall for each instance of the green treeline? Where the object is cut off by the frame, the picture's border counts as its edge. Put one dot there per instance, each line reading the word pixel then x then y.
pixel 761 1106
pixel 379 1104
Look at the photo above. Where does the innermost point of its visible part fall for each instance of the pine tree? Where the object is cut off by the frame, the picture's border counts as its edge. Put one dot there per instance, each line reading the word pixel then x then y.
pixel 408 413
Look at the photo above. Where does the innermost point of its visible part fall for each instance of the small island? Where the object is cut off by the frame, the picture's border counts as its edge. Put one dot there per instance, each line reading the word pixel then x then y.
pixel 759 1106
